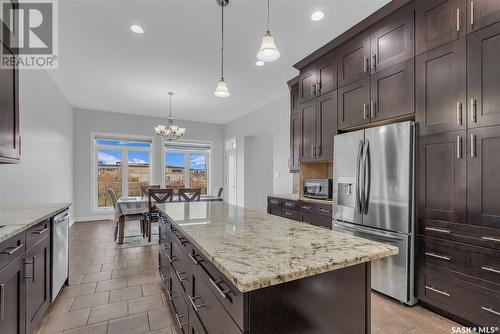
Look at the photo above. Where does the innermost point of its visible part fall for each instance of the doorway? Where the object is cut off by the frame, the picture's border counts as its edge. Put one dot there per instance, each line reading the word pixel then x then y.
pixel 231 172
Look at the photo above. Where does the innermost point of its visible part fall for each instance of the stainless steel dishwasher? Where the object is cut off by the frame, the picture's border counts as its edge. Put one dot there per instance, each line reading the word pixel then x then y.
pixel 60 252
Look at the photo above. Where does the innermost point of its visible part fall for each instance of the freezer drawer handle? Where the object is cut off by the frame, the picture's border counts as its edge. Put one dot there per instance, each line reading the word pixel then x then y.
pixel 493 270
pixel 12 250
pixel 490 309
pixel 440 230
pixel 438 291
pixel 490 239
pixel 443 257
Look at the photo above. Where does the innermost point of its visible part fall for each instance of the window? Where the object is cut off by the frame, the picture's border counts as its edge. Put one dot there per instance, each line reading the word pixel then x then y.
pixel 123 165
pixel 187 165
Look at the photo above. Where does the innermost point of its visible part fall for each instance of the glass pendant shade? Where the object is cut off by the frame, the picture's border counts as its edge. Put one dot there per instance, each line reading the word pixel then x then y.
pixel 268 51
pixel 222 90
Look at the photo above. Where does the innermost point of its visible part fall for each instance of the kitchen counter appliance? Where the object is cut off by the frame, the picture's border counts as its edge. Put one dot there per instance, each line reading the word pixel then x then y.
pixel 318 188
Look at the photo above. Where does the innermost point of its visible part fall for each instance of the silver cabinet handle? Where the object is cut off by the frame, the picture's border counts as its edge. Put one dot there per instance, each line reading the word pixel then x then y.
pixel 439 230
pixel 41 231
pixel 2 302
pixel 221 292
pixel 290 205
pixel 288 213
pixel 459 147
pixel 442 257
pixel 323 210
pixel 438 291
pixel 171 259
pixel 458 19
pixel 493 270
pixel 472 145
pixel 312 89
pixel 472 13
pixel 170 295
pixel 306 207
pixel 473 111
pixel 11 250
pixel 365 110
pixel 490 239
pixel 365 64
pixel 196 262
pixel 490 309
pixel 178 274
pixel 318 87
pixel 196 307
pixel 373 112
pixel 374 62
pixel 459 113
pixel 178 318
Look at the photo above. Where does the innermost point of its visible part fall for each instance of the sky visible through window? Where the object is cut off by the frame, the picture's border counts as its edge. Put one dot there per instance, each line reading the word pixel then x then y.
pixel 112 157
pixel 196 160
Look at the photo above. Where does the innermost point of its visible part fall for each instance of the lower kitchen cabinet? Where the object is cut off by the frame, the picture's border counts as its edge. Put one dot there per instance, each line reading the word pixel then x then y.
pixel 314 213
pixel 13 298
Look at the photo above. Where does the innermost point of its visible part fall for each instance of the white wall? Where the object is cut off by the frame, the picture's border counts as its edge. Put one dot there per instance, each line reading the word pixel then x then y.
pixel 45 174
pixel 274 119
pixel 88 122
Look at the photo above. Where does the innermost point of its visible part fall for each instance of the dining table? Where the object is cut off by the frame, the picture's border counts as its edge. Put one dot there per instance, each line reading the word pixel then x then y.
pixel 136 205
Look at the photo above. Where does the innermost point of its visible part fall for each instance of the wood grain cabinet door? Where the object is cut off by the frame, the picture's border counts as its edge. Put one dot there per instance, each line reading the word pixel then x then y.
pixel 441 177
pixel 326 74
pixel 441 81
pixel 392 91
pixel 438 22
pixel 38 285
pixel 483 177
pixel 308 131
pixel 353 60
pixel 9 114
pixel 295 140
pixel 483 76
pixel 326 119
pixel 307 82
pixel 13 298
pixel 482 13
pixel 392 40
pixel 354 104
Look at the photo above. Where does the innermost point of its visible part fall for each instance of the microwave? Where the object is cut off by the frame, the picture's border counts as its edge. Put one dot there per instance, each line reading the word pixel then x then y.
pixel 318 188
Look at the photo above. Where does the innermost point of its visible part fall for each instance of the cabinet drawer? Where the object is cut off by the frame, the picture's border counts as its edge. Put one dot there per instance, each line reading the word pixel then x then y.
pixel 307 207
pixel 324 210
pixel 292 205
pixel 181 266
pixel 37 233
pixel 180 307
pixel 11 248
pixel 291 214
pixel 275 201
pixel 317 220
pixel 275 210
pixel 227 294
pixel 205 305
pixel 475 261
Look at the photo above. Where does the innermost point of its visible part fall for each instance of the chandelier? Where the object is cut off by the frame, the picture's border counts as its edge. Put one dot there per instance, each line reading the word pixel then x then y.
pixel 170 131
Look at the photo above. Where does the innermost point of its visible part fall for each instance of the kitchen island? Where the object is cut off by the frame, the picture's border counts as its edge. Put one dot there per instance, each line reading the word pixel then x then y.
pixel 228 269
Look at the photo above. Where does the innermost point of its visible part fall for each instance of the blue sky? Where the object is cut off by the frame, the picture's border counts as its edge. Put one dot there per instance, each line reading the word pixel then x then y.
pixel 112 157
pixel 196 161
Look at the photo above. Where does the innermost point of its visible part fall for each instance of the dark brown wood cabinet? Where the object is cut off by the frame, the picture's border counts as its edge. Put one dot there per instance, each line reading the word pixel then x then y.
pixel 441 84
pixel 318 78
pixel 483 177
pixel 354 60
pixel 308 131
pixel 354 104
pixel 295 127
pixel 482 13
pixel 483 76
pixel 441 179
pixel 13 298
pixel 10 149
pixel 438 22
pixel 311 212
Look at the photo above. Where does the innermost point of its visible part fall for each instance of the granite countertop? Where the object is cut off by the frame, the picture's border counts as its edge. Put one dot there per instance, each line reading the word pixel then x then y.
pixel 255 250
pixel 296 197
pixel 17 220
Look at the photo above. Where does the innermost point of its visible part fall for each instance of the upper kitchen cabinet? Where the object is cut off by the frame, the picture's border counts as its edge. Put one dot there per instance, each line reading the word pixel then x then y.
pixel 295 126
pixel 482 13
pixel 353 60
pixel 441 88
pixel 354 104
pixel 483 177
pixel 439 22
pixel 483 76
pixel 308 131
pixel 10 149
pixel 326 121
pixel 392 40
pixel 318 78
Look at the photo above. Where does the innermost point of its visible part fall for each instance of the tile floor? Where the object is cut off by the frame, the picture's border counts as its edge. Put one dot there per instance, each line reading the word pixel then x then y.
pixel 117 291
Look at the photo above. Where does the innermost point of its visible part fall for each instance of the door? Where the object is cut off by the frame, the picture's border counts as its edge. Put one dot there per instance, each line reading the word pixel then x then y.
pixel 231 177
pixel 294 99
pixel 295 133
pixel 353 60
pixel 438 22
pixel 326 121
pixel 391 275
pixel 326 74
pixel 9 114
pixel 483 73
pixel 483 177
pixel 37 283
pixel 354 104
pixel 346 176
pixel 441 89
pixel 388 183
pixel 392 40
pixel 307 84
pixel 441 177
pixel 392 92
pixel 12 298
pixel 482 13
pixel 308 131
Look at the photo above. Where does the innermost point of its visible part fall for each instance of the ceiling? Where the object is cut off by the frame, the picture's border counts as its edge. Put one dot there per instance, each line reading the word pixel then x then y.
pixel 104 66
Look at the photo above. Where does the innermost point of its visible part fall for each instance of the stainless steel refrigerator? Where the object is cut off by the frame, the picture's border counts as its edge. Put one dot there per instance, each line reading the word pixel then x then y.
pixel 373 198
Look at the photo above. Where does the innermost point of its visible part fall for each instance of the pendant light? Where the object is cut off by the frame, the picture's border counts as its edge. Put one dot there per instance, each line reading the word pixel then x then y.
pixel 222 90
pixel 268 51
pixel 170 131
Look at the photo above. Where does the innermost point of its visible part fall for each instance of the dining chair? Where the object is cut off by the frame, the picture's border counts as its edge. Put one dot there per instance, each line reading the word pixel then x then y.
pixel 144 189
pixel 156 196
pixel 189 194
pixel 139 217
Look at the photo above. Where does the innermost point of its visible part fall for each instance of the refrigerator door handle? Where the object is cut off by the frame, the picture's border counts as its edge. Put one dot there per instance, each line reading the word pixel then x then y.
pixel 359 204
pixel 367 178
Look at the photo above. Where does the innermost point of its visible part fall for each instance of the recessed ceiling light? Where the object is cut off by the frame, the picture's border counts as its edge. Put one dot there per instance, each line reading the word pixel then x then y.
pixel 317 16
pixel 259 63
pixel 137 29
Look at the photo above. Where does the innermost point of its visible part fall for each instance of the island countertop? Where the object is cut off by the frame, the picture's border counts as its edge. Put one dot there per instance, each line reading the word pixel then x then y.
pixel 255 250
